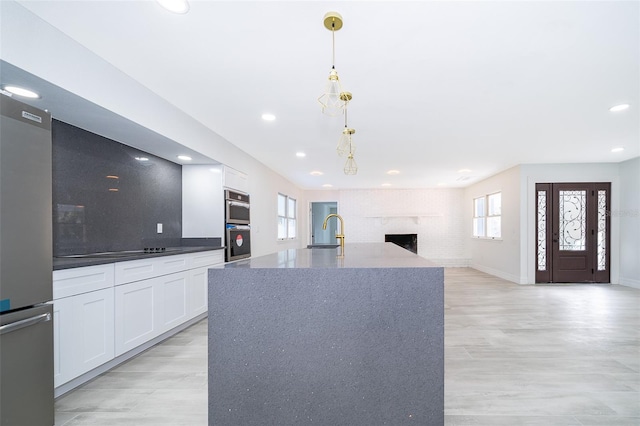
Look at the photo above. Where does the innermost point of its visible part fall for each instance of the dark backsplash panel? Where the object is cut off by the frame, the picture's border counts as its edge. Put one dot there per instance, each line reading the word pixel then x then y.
pixel 106 200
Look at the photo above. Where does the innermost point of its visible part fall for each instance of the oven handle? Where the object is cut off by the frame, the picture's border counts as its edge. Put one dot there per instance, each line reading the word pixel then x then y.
pixel 240 227
pixel 238 204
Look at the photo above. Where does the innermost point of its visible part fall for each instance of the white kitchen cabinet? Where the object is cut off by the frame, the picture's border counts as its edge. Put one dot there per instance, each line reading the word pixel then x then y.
pixel 69 282
pixel 83 333
pixel 198 295
pixel 146 309
pixel 202 201
pixel 197 292
pixel 136 309
pixel 206 258
pixel 235 179
pixel 141 269
pixel 173 291
pixel 93 319
pixel 102 312
pixel 63 368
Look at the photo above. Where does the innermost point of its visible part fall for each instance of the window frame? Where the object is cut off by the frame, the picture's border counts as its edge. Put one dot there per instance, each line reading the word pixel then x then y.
pixel 290 218
pixel 487 215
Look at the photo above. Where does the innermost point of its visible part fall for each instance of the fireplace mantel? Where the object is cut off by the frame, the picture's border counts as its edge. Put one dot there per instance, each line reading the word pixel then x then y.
pixel 417 217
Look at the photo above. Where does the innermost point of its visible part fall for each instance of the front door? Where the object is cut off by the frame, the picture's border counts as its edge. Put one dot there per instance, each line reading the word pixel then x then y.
pixel 573 232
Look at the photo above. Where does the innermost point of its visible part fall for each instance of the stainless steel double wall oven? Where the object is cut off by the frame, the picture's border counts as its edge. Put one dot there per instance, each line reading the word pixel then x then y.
pixel 238 228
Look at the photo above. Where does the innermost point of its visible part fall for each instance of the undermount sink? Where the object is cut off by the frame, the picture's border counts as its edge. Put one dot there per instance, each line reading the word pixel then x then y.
pixel 323 246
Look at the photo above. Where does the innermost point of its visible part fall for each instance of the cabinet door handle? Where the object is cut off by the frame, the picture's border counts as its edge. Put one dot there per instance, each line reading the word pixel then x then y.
pixel 14 326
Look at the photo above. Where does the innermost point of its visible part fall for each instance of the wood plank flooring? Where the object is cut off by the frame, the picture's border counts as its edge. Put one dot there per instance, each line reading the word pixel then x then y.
pixel 514 355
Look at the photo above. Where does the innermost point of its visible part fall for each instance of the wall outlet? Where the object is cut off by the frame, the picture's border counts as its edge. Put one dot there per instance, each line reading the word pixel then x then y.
pixel 159 228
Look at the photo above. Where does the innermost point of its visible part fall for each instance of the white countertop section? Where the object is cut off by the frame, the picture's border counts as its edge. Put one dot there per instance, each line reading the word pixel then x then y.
pixel 356 255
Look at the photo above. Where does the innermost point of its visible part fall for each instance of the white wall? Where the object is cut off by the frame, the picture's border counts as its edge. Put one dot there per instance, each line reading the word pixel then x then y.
pixel 629 216
pixel 499 257
pixel 264 186
pixel 435 215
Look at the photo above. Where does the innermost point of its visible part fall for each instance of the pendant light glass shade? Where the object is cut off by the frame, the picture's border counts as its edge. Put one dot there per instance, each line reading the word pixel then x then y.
pixel 350 167
pixel 330 99
pixel 345 144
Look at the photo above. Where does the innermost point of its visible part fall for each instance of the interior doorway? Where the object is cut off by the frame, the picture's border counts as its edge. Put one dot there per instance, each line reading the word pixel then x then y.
pixel 573 232
pixel 320 210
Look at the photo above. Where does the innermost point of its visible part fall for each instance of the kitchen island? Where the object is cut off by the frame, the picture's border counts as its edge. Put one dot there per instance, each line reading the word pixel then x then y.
pixel 308 336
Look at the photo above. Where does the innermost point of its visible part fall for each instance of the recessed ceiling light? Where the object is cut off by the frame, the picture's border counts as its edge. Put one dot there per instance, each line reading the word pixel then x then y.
pixel 184 157
pixel 617 149
pixel 327 185
pixel 20 91
pixel 386 184
pixel 142 159
pixel 175 6
pixel 300 154
pixel 393 172
pixel 112 177
pixel 268 117
pixel 464 171
pixel 316 173
pixel 618 108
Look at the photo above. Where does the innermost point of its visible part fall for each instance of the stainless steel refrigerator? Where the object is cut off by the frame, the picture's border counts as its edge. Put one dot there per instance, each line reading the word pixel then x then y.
pixel 26 326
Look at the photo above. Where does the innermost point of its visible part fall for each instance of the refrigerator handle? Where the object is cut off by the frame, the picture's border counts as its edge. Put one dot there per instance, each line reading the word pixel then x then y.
pixel 8 328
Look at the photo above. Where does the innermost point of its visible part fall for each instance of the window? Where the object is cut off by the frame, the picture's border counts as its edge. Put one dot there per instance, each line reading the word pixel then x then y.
pixel 487 216
pixel 286 217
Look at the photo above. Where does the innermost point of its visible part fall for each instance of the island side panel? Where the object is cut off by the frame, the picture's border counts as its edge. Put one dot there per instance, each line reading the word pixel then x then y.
pixel 326 346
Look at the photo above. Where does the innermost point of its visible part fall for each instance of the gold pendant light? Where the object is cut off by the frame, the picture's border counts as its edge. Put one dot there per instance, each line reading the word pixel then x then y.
pixel 345 143
pixel 330 100
pixel 350 167
pixel 334 100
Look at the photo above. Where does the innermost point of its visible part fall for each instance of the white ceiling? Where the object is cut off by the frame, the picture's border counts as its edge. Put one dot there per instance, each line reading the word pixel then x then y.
pixel 438 86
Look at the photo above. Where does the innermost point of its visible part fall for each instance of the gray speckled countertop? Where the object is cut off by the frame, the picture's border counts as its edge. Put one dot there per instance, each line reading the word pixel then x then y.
pixel 88 260
pixel 356 255
pixel 306 337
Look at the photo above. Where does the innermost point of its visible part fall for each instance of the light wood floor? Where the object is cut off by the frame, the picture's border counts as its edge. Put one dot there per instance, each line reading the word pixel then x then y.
pixel 514 355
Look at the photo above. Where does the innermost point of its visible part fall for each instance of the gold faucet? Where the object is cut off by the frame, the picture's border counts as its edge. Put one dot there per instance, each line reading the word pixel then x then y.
pixel 340 236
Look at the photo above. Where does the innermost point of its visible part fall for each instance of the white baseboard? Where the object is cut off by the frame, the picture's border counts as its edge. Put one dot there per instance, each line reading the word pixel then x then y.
pixel 629 282
pixel 499 274
pixel 450 263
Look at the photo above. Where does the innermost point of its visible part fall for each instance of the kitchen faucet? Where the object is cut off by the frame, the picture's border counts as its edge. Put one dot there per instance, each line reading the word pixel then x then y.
pixel 340 236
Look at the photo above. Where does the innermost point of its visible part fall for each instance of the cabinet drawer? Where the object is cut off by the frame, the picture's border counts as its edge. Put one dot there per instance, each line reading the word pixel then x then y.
pixel 206 258
pixel 142 269
pixel 70 282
